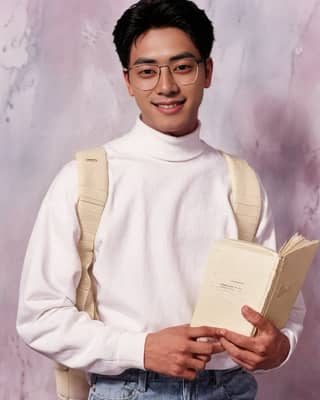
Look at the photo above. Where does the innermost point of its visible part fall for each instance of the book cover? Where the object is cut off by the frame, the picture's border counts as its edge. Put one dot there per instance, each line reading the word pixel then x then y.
pixel 241 273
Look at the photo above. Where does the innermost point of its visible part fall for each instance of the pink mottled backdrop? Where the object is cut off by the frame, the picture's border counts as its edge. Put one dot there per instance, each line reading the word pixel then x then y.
pixel 61 90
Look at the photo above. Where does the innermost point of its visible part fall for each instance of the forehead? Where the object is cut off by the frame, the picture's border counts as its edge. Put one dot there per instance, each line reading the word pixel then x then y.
pixel 161 44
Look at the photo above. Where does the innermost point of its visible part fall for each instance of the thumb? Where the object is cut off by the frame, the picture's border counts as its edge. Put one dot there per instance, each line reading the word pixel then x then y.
pixel 255 318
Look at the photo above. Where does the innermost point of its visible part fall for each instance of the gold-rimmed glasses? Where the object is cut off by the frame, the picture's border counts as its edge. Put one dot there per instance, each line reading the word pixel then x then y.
pixel 145 76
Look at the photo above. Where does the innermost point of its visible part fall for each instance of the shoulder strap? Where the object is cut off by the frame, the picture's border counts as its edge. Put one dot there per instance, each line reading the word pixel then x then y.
pixel 93 191
pixel 245 197
pixel 72 384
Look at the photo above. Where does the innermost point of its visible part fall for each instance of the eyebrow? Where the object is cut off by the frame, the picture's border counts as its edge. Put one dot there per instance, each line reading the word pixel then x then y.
pixel 145 60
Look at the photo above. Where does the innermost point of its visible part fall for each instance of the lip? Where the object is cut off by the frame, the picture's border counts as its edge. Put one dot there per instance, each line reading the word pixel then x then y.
pixel 169 107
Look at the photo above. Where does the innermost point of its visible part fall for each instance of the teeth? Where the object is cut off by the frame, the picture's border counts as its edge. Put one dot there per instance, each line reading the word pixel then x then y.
pixel 168 105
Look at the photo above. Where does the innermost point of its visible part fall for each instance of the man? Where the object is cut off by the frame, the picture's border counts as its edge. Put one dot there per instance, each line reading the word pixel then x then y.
pixel 167 202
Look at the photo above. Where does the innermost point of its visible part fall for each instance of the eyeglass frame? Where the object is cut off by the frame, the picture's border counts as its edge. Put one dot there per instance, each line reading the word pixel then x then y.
pixel 198 61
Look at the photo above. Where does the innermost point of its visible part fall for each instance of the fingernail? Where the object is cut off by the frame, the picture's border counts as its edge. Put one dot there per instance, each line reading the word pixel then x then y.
pixel 246 309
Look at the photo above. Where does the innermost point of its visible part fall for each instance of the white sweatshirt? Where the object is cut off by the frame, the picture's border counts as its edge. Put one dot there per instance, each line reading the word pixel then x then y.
pixel 167 203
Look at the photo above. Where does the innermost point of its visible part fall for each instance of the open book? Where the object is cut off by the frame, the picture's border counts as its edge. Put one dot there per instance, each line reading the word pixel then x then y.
pixel 240 273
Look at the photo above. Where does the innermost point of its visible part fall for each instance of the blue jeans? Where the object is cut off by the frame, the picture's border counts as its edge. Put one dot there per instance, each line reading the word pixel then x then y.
pixel 135 384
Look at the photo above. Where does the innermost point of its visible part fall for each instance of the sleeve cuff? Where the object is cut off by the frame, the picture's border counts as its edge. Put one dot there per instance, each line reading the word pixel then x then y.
pixel 293 343
pixel 130 352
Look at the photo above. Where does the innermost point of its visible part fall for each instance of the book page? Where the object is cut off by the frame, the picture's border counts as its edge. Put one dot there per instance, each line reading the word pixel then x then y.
pixel 293 269
pixel 295 242
pixel 234 276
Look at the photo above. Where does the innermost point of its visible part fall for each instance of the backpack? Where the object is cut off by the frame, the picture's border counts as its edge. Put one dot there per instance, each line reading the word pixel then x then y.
pixel 92 165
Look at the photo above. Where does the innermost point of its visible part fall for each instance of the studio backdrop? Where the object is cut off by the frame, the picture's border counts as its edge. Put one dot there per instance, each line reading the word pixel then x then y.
pixel 61 90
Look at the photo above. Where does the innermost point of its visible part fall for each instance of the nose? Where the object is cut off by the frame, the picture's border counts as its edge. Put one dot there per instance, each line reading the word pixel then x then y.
pixel 166 84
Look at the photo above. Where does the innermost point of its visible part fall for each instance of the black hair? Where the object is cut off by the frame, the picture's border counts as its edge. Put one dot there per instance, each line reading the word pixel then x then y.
pixel 147 14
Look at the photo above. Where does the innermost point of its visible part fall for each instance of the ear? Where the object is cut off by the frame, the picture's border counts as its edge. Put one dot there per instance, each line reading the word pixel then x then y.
pixel 209 63
pixel 127 82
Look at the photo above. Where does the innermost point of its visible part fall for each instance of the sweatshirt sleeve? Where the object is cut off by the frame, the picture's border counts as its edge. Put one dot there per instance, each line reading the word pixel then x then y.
pixel 266 236
pixel 47 318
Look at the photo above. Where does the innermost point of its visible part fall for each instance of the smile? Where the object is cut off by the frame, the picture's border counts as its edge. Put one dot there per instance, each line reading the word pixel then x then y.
pixel 168 105
pixel 170 108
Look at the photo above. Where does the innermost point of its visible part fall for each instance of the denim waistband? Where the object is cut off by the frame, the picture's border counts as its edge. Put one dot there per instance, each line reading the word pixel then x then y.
pixel 138 375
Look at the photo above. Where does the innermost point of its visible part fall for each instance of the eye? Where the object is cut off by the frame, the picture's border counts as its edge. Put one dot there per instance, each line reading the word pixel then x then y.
pixel 184 67
pixel 146 71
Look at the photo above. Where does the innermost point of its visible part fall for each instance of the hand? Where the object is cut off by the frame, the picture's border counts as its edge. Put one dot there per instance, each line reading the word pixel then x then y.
pixel 174 351
pixel 268 349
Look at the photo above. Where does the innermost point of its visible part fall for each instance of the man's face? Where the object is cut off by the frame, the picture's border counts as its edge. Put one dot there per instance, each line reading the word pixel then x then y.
pixel 168 107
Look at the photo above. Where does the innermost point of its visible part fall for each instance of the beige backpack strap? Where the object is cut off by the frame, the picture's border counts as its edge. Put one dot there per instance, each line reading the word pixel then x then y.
pixel 92 167
pixel 93 191
pixel 245 197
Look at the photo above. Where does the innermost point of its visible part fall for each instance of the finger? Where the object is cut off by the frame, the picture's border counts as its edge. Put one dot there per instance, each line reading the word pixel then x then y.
pixel 202 331
pixel 245 342
pixel 242 356
pixel 256 319
pixel 189 374
pixel 184 373
pixel 203 357
pixel 200 347
pixel 217 348
pixel 208 348
pixel 194 363
pixel 243 364
pixel 257 345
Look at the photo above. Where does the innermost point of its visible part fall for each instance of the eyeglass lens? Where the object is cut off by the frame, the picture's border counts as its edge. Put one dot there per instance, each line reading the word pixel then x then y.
pixel 146 76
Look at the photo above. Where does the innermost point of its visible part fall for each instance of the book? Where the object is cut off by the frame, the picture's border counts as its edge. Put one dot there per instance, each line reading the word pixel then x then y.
pixel 242 273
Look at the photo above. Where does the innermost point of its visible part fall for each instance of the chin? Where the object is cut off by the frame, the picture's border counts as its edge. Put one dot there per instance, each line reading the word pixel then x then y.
pixel 171 129
pixel 175 125
pixel 176 128
pixel 181 130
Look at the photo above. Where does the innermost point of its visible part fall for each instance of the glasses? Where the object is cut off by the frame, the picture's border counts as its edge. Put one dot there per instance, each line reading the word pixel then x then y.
pixel 146 76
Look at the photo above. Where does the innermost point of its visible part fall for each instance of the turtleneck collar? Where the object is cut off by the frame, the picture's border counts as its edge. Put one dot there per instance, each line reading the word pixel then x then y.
pixel 151 143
